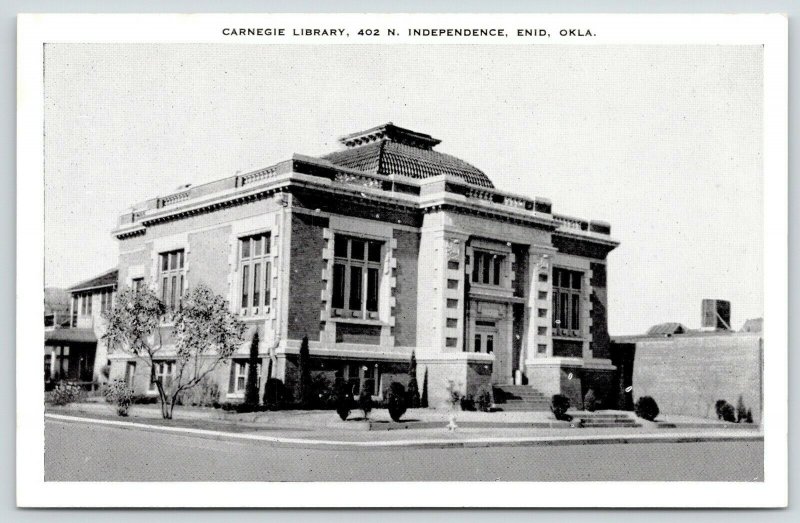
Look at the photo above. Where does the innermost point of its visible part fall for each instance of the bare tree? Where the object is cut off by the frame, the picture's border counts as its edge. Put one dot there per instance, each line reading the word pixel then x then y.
pixel 205 334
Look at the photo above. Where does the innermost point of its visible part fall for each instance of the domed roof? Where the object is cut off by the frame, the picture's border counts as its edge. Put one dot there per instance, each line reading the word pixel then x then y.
pixel 388 149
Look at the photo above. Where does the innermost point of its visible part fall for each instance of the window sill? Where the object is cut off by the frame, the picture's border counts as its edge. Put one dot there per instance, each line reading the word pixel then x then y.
pixel 570 337
pixel 357 321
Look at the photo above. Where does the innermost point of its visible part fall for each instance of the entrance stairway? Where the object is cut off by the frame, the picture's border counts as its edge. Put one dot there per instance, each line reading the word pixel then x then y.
pixel 520 398
pixel 605 420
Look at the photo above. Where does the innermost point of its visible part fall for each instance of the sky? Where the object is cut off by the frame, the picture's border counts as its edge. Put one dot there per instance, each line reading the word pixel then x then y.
pixel 664 142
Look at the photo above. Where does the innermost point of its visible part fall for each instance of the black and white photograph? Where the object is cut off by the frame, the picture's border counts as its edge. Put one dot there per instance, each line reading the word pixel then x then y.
pixel 299 251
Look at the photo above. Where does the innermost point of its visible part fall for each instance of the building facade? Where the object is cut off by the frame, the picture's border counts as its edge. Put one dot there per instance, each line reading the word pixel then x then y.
pixel 74 348
pixel 377 250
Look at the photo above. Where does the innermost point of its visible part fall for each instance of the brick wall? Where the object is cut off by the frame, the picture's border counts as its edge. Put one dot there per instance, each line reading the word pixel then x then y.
pixel 209 264
pixel 407 252
pixel 305 266
pixel 687 375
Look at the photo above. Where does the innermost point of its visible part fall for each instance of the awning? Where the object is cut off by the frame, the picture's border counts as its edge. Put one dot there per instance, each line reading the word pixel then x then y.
pixel 69 335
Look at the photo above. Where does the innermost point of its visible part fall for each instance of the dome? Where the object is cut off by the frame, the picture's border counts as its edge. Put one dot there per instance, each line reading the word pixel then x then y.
pixel 388 149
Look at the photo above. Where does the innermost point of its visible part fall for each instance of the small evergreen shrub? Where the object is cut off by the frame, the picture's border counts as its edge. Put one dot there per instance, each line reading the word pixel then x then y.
pixel 467 402
pixel 718 407
pixel 365 401
pixel 646 408
pixel 728 413
pixel 749 417
pixel 344 400
pixel 559 406
pixel 276 396
pixel 590 401
pixel 741 410
pixel 396 401
pixel 144 399
pixel 484 400
pixel 65 393
pixel 118 393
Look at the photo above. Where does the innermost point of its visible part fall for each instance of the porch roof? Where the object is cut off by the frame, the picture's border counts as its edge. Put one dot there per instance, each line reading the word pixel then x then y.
pixel 70 335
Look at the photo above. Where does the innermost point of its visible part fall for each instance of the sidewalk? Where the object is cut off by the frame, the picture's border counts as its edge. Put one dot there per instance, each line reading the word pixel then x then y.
pixel 419 428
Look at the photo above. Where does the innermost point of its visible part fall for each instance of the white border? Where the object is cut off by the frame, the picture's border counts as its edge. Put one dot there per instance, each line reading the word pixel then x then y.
pixel 739 29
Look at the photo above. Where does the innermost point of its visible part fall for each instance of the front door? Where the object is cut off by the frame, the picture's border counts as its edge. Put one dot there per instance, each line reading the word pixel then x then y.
pixel 487 340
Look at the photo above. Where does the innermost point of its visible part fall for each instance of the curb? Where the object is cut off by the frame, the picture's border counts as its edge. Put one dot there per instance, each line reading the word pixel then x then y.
pixel 532 441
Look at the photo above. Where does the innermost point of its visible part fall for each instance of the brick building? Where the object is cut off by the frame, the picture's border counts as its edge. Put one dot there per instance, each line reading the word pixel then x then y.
pixel 381 248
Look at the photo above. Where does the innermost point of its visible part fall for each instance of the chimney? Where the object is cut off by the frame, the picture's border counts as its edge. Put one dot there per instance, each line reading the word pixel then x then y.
pixel 716 315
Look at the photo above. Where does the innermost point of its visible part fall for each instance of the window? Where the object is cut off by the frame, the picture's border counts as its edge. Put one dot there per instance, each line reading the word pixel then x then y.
pixel 239 371
pixel 171 276
pixel 86 304
pixel 487 268
pixel 163 370
pixel 137 284
pixel 541 331
pixel 48 366
pixel 541 348
pixel 106 301
pixel 567 302
pixel 483 342
pixel 130 372
pixel 452 323
pixel 356 276
pixel 255 268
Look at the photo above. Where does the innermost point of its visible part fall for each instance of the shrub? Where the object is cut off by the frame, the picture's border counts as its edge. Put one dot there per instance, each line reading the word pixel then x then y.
pixel 467 402
pixel 365 400
pixel 65 393
pixel 322 394
pixel 413 386
pixel 423 401
pixel 118 393
pixel 276 396
pixel 589 401
pixel 728 413
pixel 741 410
pixel 718 407
pixel 484 400
pixel 144 399
pixel 559 406
pixel 749 417
pixel 396 401
pixel 344 400
pixel 304 369
pixel 252 383
pixel 646 408
pixel 204 394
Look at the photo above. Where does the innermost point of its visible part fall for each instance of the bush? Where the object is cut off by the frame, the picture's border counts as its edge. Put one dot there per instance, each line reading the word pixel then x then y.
pixel 396 401
pixel 276 396
pixel 144 399
pixel 728 413
pixel 559 406
pixel 204 394
pixel 718 407
pixel 467 402
pixel 741 410
pixel 413 393
pixel 365 401
pixel 589 401
pixel 118 393
pixel 65 393
pixel 748 417
pixel 322 394
pixel 484 400
pixel 646 408
pixel 344 400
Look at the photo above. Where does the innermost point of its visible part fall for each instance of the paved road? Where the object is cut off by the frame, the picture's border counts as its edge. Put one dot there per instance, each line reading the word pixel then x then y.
pixel 85 452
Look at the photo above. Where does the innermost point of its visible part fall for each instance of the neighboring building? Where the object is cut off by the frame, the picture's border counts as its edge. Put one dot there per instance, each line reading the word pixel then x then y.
pixel 75 351
pixel 666 329
pixel 56 308
pixel 384 247
pixel 686 373
pixel 753 325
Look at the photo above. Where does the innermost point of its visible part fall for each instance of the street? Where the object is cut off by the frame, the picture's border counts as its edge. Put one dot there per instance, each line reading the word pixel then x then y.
pixel 86 452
